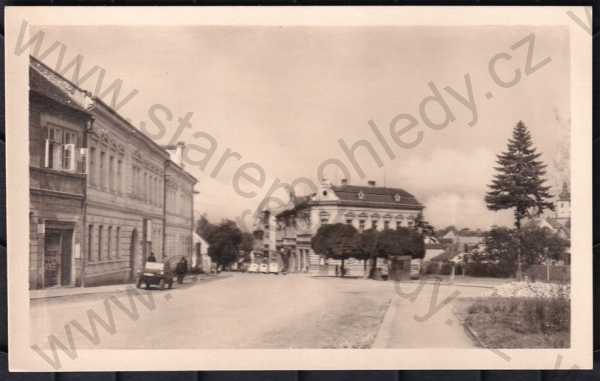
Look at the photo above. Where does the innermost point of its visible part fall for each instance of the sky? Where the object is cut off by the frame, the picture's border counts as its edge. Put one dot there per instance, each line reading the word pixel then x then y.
pixel 284 97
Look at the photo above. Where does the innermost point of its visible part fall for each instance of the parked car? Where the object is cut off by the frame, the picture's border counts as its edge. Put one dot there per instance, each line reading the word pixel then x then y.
pixel 274 268
pixel 253 268
pixel 156 274
pixel 415 268
pixel 263 268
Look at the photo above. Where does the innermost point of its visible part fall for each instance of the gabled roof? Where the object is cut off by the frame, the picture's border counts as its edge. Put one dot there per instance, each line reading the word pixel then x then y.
pixel 39 84
pixel 376 196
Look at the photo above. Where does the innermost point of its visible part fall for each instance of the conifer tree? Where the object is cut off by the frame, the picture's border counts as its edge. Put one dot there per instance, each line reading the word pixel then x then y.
pixel 519 183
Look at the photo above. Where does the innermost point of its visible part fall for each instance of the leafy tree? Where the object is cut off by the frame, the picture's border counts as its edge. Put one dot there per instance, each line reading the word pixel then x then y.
pixel 335 241
pixel 204 227
pixel 365 248
pixel 425 227
pixel 535 245
pixel 519 183
pixel 224 240
pixel 402 241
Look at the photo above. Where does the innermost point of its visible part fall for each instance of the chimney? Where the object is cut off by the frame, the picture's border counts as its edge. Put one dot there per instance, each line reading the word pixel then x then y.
pixel 344 181
pixel 179 154
pixel 372 183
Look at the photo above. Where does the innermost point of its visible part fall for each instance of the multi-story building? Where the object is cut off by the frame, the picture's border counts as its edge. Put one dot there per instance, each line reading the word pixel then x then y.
pixel 287 233
pixel 179 206
pixel 124 209
pixel 103 194
pixel 57 181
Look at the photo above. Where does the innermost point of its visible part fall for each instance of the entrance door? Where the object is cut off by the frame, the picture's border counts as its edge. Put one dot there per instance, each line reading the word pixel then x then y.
pixel 52 254
pixel 65 258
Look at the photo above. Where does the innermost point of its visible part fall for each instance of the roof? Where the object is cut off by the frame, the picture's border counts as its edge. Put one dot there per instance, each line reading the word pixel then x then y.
pixel 376 196
pixel 39 84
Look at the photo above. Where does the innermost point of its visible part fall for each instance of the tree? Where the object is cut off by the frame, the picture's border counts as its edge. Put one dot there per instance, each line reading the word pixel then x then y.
pixel 402 241
pixel 365 248
pixel 224 240
pixel 423 226
pixel 519 183
pixel 335 241
pixel 204 227
pixel 536 245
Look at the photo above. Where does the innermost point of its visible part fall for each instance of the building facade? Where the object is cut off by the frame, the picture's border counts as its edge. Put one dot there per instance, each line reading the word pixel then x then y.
pixel 179 206
pixel 103 194
pixel 286 234
pixel 57 127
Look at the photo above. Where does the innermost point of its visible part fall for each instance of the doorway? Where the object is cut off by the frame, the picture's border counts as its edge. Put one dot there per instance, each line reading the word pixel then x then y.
pixel 132 251
pixel 57 257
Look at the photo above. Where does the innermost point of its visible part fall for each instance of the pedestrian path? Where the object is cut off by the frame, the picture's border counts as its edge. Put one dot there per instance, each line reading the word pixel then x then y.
pixel 421 316
pixel 57 292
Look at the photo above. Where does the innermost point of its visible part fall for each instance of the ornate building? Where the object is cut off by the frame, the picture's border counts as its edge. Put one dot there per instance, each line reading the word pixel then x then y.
pixel 286 234
pixel 121 196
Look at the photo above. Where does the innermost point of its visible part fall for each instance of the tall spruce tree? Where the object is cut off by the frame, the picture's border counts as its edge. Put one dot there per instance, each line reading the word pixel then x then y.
pixel 519 181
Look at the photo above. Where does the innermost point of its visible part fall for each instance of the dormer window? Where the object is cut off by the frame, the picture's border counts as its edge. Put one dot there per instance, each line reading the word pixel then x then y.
pixel 397 197
pixel 361 195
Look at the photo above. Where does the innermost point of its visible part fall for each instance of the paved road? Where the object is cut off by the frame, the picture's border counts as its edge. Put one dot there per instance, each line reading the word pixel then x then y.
pixel 238 311
pixel 255 311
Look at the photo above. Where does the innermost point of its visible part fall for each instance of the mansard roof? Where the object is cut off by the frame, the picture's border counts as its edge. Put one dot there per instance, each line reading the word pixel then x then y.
pixel 381 197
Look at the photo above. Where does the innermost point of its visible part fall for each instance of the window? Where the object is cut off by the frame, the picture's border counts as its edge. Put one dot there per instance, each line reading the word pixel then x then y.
pixel 361 225
pixel 145 187
pixel 101 170
pixel 119 174
pixel 109 243
pixel 118 242
pixel 111 173
pixel 92 169
pixel 60 149
pixel 324 221
pixel 100 228
pixel 349 222
pixel 386 225
pixel 90 242
pixel 374 224
pixel 398 224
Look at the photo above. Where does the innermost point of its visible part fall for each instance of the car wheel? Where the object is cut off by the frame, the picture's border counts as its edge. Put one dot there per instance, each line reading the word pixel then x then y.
pixel 161 284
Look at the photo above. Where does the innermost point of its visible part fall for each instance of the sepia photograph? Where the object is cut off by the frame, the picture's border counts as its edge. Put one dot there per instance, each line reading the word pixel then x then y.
pixel 343 188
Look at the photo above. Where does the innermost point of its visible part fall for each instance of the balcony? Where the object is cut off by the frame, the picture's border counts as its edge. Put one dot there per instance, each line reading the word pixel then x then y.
pixel 52 180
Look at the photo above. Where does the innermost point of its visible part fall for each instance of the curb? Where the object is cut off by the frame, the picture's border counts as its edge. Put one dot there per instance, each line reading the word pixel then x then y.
pixel 450 284
pixel 384 332
pixel 122 288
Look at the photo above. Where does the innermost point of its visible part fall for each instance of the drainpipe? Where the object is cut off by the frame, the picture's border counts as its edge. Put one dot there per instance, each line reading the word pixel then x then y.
pixel 84 247
pixel 164 230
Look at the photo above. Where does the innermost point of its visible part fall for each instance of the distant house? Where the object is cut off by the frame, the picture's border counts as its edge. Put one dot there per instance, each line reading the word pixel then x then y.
pixel 558 221
pixel 465 238
pixel 200 258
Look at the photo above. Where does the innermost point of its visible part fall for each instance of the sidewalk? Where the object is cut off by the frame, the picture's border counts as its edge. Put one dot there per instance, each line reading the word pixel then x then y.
pixel 460 280
pixel 58 292
pixel 426 320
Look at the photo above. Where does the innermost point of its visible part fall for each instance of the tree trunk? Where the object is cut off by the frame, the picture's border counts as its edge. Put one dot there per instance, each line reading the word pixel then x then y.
pixel 342 268
pixel 519 272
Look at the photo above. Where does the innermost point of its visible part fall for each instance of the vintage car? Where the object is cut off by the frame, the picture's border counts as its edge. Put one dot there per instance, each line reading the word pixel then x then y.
pixel 274 268
pixel 156 274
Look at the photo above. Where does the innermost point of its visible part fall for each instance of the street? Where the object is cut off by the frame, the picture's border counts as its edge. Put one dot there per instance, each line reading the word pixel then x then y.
pixel 240 310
